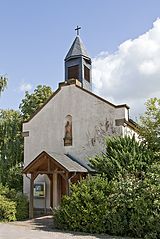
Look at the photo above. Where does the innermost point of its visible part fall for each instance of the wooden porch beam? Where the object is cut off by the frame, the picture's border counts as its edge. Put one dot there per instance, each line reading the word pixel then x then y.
pixel 49 172
pixel 49 164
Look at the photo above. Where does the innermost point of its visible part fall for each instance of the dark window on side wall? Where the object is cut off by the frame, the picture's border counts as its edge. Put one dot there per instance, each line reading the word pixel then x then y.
pixel 73 72
pixel 86 73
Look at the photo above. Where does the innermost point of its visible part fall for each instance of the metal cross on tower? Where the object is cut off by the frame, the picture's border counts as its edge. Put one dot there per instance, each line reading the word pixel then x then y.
pixel 77 29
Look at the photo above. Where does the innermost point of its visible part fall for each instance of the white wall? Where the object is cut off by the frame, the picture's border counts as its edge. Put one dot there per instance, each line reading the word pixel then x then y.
pixel 89 115
pixel 130 132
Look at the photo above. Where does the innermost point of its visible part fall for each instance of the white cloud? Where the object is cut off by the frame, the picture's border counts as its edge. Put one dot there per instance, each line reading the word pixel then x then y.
pixel 25 87
pixel 131 75
pixel 148 67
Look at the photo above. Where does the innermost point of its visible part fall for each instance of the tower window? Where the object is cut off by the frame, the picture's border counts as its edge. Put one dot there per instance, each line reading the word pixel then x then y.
pixel 86 73
pixel 73 72
pixel 68 131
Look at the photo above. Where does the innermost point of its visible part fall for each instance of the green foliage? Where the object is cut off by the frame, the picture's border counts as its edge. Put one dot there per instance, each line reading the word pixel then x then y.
pixel 11 148
pixel 7 209
pixel 15 178
pixel 22 207
pixel 7 205
pixel 134 207
pixel 124 200
pixel 3 83
pixel 11 140
pixel 123 155
pixel 18 202
pixel 85 208
pixel 124 207
pixel 34 101
pixel 150 124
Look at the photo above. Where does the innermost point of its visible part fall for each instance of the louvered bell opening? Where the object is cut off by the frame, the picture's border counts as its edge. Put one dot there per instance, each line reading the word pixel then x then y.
pixel 73 72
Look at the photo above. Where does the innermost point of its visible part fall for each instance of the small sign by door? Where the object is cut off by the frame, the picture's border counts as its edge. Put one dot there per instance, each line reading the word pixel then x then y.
pixel 39 190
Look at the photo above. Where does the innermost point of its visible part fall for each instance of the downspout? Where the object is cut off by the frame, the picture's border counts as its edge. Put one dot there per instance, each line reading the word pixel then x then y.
pixel 69 182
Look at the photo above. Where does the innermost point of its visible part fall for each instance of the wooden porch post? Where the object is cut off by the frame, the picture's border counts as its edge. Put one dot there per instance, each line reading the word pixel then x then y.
pixel 31 197
pixel 55 193
pixel 51 190
pixel 67 184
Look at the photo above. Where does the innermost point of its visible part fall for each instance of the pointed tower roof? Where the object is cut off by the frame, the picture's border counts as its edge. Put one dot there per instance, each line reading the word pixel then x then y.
pixel 77 49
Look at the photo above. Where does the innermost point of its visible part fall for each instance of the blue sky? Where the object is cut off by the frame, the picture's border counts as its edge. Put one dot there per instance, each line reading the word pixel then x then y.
pixel 35 36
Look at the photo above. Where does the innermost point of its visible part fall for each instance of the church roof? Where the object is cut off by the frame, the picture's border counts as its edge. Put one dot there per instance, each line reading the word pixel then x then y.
pixel 77 49
pixel 69 164
pixel 84 163
pixel 62 160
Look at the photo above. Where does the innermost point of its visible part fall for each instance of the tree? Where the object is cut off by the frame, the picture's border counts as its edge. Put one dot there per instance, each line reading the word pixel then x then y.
pixel 11 141
pixel 150 124
pixel 3 83
pixel 123 155
pixel 34 101
pixel 11 148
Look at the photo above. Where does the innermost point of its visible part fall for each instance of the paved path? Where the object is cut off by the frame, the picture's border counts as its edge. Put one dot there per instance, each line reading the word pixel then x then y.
pixel 41 228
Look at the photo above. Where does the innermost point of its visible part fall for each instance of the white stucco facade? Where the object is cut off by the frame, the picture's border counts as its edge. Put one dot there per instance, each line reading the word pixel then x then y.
pixel 91 119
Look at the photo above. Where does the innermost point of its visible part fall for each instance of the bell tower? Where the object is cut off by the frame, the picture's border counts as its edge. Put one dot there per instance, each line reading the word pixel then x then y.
pixel 78 63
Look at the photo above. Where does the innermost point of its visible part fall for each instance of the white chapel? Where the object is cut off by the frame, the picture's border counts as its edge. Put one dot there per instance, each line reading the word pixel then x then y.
pixel 68 129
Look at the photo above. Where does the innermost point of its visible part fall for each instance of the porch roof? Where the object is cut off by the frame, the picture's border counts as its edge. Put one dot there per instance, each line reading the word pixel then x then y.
pixel 60 160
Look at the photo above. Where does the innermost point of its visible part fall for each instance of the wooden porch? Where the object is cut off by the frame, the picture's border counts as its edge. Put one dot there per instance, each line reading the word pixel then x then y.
pixel 61 171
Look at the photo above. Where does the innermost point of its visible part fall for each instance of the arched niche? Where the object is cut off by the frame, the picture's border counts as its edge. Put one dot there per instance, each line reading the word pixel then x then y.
pixel 68 131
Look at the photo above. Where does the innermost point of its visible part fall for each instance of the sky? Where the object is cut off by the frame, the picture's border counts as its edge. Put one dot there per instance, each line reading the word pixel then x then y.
pixel 121 36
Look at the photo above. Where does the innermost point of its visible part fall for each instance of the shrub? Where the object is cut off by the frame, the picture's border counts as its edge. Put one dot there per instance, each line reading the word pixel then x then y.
pixel 22 207
pixel 20 201
pixel 7 209
pixel 124 207
pixel 124 200
pixel 134 207
pixel 85 208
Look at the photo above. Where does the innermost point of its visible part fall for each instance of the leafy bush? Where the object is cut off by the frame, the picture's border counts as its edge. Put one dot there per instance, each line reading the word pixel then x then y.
pixel 7 209
pixel 136 204
pixel 124 207
pixel 124 200
pixel 22 207
pixel 14 198
pixel 85 208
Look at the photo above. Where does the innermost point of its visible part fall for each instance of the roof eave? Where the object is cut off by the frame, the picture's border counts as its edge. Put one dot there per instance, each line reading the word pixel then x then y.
pixel 78 56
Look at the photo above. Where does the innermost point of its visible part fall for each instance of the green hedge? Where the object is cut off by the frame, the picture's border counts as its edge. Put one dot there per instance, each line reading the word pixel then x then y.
pixel 124 207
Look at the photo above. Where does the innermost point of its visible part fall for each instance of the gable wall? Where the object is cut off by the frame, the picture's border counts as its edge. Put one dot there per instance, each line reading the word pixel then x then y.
pixel 91 120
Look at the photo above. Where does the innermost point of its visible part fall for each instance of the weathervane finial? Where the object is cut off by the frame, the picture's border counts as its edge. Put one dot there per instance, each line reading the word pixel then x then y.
pixel 77 29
